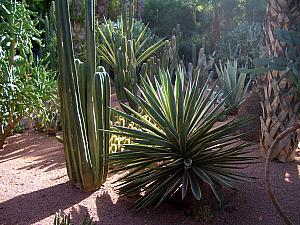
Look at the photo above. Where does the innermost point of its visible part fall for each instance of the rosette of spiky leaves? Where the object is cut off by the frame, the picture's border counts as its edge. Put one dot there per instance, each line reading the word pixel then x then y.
pixel 185 148
pixel 234 85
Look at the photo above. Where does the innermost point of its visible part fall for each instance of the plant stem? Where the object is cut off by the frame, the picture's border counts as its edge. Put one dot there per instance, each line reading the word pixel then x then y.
pixel 7 130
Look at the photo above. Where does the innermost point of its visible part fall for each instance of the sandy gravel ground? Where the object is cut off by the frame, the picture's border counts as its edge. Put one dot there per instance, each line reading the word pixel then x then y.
pixel 34 185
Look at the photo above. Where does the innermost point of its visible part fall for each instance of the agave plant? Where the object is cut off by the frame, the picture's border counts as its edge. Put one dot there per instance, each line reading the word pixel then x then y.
pixel 234 85
pixel 180 148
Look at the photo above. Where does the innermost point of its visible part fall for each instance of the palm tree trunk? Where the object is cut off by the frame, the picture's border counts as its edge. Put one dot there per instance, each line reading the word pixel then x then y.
pixel 216 26
pixel 78 28
pixel 139 9
pixel 279 95
pixel 101 10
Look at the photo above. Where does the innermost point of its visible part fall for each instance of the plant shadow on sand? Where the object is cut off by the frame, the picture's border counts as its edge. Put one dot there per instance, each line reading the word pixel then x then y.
pixel 45 157
pixel 117 211
pixel 35 206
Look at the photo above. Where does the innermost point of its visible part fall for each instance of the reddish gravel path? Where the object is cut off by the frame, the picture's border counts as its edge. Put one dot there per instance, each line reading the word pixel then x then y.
pixel 34 185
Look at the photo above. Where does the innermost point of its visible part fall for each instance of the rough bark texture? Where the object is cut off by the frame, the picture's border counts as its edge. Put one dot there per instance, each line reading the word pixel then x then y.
pixel 78 21
pixel 139 9
pixel 78 25
pixel 279 96
pixel 216 26
pixel 101 10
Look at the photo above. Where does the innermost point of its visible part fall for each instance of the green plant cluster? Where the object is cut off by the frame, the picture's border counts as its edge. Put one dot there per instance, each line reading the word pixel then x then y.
pixel 114 9
pixel 200 19
pixel 116 142
pixel 243 43
pixel 27 87
pixel 50 42
pixel 39 6
pixel 124 46
pixel 164 16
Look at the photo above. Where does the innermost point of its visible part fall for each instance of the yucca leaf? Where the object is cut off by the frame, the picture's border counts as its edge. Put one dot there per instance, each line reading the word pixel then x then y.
pixel 195 187
pixel 140 120
pixel 107 43
pixel 150 51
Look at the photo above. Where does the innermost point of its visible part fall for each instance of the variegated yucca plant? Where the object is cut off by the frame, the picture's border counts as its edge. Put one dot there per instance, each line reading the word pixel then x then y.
pixel 182 148
pixel 233 84
pixel 85 97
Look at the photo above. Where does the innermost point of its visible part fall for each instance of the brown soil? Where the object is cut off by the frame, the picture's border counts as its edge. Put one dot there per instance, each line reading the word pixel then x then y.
pixel 34 185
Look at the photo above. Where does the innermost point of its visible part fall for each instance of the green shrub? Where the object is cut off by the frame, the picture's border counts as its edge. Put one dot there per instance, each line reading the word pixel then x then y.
pixel 114 9
pixel 163 16
pixel 39 6
pixel 26 86
pixel 182 149
pixel 198 17
pixel 242 43
pixel 19 128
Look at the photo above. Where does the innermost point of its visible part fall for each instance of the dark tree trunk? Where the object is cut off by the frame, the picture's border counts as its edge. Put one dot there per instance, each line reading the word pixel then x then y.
pixel 216 26
pixel 140 9
pixel 102 10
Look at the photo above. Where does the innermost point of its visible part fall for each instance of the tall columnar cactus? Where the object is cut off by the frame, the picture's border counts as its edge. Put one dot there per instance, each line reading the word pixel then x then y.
pixel 85 97
pixel 50 43
pixel 125 46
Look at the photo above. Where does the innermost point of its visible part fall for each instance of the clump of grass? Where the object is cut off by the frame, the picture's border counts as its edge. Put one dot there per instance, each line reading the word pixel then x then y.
pixel 200 211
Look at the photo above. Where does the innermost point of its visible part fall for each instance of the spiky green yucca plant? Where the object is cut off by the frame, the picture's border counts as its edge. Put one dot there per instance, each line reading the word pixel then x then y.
pixel 181 147
pixel 234 85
